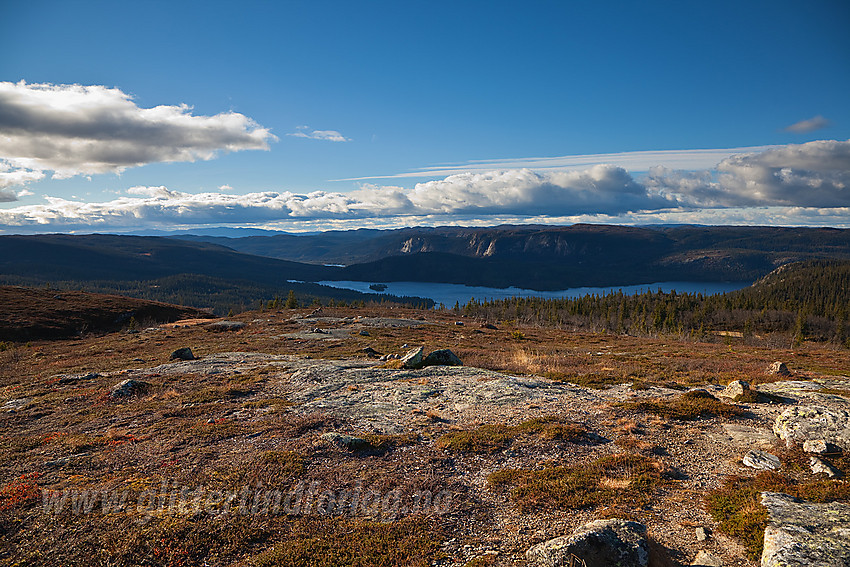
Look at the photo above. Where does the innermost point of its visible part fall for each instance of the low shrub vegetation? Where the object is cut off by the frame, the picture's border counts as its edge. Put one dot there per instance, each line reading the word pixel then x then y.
pixel 620 480
pixel 737 504
pixel 696 404
pixel 490 438
pixel 353 543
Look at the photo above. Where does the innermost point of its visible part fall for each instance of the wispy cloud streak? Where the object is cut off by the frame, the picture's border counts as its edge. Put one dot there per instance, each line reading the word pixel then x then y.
pixel 805 126
pixel 637 161
pixel 327 135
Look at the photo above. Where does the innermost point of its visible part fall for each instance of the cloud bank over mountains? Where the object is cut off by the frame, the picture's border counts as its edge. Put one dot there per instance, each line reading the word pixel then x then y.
pixel 69 130
pixel 808 181
pixel 85 130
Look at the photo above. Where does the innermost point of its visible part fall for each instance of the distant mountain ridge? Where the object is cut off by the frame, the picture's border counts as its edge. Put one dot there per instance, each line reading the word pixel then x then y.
pixel 531 257
pixel 544 258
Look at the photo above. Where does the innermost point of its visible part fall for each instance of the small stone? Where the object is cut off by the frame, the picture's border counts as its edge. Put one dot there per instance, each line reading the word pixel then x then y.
pixel 319 331
pixel 760 460
pixel 706 559
pixel 701 534
pixel 74 378
pixel 364 333
pixel 778 368
pixel 62 461
pixel 817 446
pixel 820 467
pixel 128 387
pixel 184 353
pixel 413 359
pixel 345 441
pixel 12 405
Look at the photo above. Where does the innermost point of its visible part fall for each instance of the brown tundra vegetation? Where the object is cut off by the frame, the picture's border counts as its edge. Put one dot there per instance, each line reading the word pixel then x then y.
pixel 287 437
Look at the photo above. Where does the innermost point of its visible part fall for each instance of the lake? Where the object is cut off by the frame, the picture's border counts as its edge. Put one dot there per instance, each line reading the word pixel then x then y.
pixel 448 294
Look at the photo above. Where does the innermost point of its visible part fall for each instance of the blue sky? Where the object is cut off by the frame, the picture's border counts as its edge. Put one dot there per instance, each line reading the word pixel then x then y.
pixel 310 115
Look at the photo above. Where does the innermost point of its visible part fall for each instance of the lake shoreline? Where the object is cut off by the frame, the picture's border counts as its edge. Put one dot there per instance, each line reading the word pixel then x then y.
pixel 449 294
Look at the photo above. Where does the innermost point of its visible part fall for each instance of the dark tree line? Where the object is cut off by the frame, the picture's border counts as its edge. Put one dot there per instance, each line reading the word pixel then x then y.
pixel 809 300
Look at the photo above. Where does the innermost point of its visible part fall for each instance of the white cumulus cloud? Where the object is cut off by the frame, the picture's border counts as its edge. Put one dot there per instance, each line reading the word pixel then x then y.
pixel 84 130
pixel 11 176
pixel 603 189
pixel 814 174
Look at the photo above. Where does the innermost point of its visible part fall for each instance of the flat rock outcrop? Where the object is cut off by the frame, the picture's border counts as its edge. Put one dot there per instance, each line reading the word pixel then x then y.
pixel 225 326
pixel 801 534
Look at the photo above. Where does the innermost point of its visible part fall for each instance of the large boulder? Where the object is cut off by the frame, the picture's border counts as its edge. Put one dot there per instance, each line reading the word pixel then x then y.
pixel 799 424
pixel 602 543
pixel 184 353
pixel 801 534
pixel 442 357
pixel 737 389
pixel 413 359
pixel 778 368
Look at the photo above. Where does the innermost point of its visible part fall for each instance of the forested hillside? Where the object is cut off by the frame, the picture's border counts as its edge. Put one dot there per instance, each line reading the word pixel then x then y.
pixel 197 274
pixel 807 300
